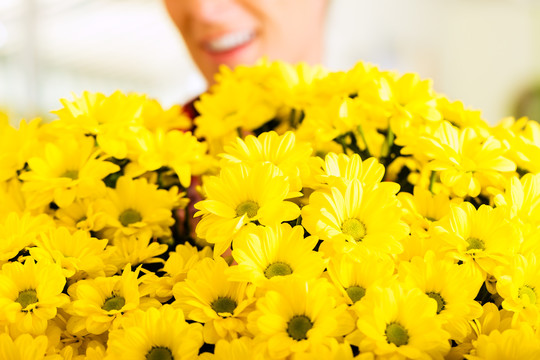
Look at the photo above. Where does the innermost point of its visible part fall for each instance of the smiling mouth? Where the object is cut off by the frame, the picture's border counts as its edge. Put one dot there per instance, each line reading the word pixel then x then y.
pixel 230 41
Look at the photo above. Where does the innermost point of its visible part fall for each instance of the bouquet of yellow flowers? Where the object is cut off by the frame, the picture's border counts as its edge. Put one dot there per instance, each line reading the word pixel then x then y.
pixel 302 214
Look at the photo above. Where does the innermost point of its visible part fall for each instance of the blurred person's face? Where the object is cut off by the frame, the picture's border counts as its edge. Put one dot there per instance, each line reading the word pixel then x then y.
pixel 234 32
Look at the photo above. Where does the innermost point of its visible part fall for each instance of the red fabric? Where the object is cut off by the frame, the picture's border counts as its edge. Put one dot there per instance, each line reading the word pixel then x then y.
pixel 190 110
pixel 192 193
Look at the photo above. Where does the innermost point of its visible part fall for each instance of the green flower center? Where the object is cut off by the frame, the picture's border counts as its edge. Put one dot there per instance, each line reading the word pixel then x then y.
pixel 224 305
pixel 129 216
pixel 27 297
pixel 247 207
pixel 159 353
pixel 355 228
pixel 114 303
pixel 396 334
pixel 277 269
pixel 298 327
pixel 439 299
pixel 475 244
pixel 356 293
pixel 72 174
pixel 527 291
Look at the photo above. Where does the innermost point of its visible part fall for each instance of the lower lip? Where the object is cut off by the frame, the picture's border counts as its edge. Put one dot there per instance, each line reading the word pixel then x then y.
pixel 234 56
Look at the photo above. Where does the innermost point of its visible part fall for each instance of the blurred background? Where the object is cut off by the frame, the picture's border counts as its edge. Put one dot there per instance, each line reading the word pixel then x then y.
pixel 485 53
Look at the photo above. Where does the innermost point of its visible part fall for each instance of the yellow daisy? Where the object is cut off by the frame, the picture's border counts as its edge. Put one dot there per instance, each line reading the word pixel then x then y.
pixel 234 104
pixel 411 97
pixel 343 120
pixel 135 249
pixel 181 151
pixel 95 350
pixel 317 130
pixel 296 315
pixel 357 82
pixel 98 304
pixel 135 207
pixel 523 138
pixel 335 351
pixel 326 121
pixel 452 286
pixel 418 244
pixel 350 214
pixel 356 272
pixel 520 199
pixel 295 85
pixel 93 110
pixel 71 346
pixel 340 167
pixel 236 349
pixel 520 204
pixel 155 117
pixel 25 347
pixel 518 284
pixel 284 151
pixel 455 113
pixel 412 106
pixel 115 120
pixel 264 253
pixel 348 104
pixel 68 169
pixel 175 269
pixel 18 232
pixel 483 237
pixel 155 334
pixel 400 322
pixel 422 208
pixel 491 319
pixel 515 344
pixel 10 163
pixel 409 171
pixel 30 295
pixel 467 162
pixel 17 146
pixel 11 198
pixel 81 215
pixel 210 297
pixel 362 124
pixel 242 194
pixel 79 254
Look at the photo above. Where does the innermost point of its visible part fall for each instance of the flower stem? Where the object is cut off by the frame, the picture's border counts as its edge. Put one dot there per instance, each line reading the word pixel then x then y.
pixel 387 144
pixel 363 136
pixel 432 181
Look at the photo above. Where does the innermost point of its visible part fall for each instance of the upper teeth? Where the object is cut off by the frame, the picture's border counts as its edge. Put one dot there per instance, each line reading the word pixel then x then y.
pixel 229 41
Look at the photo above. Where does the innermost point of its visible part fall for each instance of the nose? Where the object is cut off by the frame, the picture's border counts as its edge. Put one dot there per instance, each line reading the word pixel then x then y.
pixel 211 10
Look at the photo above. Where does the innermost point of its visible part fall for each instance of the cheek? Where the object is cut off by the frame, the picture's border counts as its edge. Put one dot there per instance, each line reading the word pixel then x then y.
pixel 288 26
pixel 304 18
pixel 173 9
pixel 290 14
pixel 178 14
